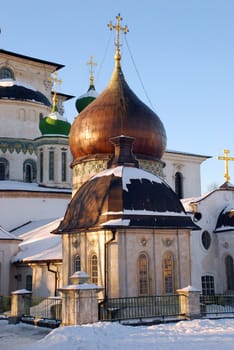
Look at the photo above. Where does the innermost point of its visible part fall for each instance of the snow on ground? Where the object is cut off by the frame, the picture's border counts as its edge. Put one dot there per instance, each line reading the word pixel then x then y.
pixel 183 335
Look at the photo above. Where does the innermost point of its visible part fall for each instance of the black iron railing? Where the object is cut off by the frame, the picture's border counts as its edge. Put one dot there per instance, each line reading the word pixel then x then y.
pixel 217 304
pixel 139 307
pixel 5 304
pixel 45 308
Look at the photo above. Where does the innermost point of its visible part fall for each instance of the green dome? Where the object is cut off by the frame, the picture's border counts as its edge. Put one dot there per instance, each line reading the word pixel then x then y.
pixel 84 100
pixel 54 124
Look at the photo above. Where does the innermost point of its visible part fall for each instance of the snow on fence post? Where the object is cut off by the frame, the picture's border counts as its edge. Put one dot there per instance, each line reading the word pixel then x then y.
pixel 79 300
pixel 189 302
pixel 20 301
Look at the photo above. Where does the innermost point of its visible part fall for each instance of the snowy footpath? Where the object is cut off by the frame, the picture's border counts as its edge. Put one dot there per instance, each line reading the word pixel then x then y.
pixel 184 335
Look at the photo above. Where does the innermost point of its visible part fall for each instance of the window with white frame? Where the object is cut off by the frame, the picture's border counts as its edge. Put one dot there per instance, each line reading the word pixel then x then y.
pixel 94 269
pixel 77 264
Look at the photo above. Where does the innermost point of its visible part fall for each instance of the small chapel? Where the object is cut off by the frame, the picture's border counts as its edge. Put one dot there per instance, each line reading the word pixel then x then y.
pixel 127 226
pixel 103 194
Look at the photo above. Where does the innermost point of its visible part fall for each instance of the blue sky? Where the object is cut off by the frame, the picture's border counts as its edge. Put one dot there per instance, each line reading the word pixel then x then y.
pixel 178 57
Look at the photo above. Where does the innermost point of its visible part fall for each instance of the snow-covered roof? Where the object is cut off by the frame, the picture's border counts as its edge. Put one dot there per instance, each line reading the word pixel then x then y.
pixel 30 226
pixel 10 82
pixel 225 220
pixel 186 202
pixel 16 90
pixel 5 235
pixel 8 185
pixel 125 197
pixel 39 244
pixel 89 93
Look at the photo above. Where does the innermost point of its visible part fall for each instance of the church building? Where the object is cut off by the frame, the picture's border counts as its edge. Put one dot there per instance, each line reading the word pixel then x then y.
pixel 102 194
pixel 125 226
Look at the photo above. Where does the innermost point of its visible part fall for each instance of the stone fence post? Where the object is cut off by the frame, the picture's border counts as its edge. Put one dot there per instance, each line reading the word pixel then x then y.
pixel 189 302
pixel 79 300
pixel 20 301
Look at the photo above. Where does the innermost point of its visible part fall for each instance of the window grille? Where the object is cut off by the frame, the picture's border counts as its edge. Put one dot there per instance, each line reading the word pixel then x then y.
pixel 6 73
pixel 77 264
pixel 94 269
pixel 208 285
pixel 143 268
pixel 168 273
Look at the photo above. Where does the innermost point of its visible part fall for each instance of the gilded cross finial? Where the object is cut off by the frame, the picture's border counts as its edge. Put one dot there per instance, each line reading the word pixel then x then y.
pixel 118 29
pixel 91 63
pixel 54 79
pixel 226 159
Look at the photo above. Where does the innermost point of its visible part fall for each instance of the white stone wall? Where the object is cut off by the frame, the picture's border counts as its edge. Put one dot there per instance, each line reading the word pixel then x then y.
pixel 8 248
pixel 29 71
pixel 20 119
pixel 57 145
pixel 44 280
pixel 189 166
pixel 211 261
pixel 16 161
pixel 18 208
pixel 155 244
pixel 121 271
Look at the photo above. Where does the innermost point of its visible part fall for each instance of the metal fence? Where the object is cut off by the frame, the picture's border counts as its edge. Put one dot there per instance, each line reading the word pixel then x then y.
pixel 40 310
pixel 5 304
pixel 139 307
pixel 43 311
pixel 49 308
pixel 217 305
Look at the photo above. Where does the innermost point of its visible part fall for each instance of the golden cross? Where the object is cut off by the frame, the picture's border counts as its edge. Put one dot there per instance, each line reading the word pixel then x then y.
pixel 226 159
pixel 55 80
pixel 91 63
pixel 118 28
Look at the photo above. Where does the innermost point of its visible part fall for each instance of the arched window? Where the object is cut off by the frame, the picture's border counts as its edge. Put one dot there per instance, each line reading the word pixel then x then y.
pixel 77 264
pixel 94 269
pixel 28 173
pixel 41 166
pixel 51 165
pixel 229 272
pixel 64 166
pixel 29 170
pixel 208 285
pixel 4 169
pixel 6 73
pixel 143 273
pixel 168 273
pixel 179 184
pixel 29 282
